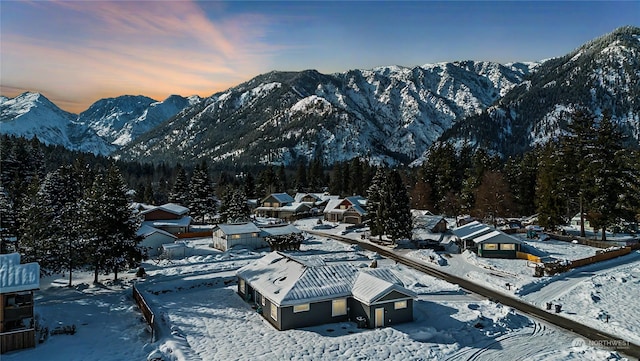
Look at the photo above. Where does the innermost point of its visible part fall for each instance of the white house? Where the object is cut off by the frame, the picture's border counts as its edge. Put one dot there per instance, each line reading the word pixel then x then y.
pixel 153 239
pixel 226 236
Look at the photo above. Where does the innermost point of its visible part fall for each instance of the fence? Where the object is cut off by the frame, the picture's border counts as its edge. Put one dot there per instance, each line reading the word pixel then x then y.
pixel 600 257
pixel 584 241
pixel 146 311
pixel 195 234
pixel 17 340
pixel 528 257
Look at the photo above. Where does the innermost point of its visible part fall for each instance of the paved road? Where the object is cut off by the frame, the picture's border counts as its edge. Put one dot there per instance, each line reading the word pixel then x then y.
pixel 603 338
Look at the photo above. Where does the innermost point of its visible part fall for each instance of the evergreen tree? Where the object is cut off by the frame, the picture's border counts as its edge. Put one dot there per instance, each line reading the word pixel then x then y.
pixel 234 207
pixel 301 177
pixel 8 223
pixel 110 225
pixel 267 182
pixel 180 191
pixel 250 186
pixel 202 202
pixel 355 177
pixel 611 177
pixel 397 220
pixel 52 223
pixel 375 203
pixel 337 179
pixel 550 198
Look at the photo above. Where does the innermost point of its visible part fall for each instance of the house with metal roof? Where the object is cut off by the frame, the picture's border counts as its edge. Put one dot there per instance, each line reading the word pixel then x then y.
pixel 497 244
pixel 248 234
pixel 293 292
pixel 469 231
pixel 153 239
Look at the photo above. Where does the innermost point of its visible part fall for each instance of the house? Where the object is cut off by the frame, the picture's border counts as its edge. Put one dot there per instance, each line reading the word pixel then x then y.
pixel 17 283
pixel 575 221
pixel 432 232
pixel 293 292
pixel 283 206
pixel 170 217
pixel 347 210
pixel 153 239
pixel 467 233
pixel 317 201
pixel 497 244
pixel 228 235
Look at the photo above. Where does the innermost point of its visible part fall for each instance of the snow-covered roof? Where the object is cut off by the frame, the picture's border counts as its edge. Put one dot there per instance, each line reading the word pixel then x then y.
pixel 146 230
pixel 471 230
pixel 238 228
pixel 428 222
pixel 496 237
pixel 16 277
pixel 280 229
pixel 355 201
pixel 320 197
pixel 370 287
pixel 285 280
pixel 182 222
pixel 282 197
pixel 293 207
pixel 169 207
pixel 172 246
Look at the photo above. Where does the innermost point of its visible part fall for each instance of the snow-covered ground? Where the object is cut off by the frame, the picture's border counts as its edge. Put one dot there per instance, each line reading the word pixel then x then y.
pixel 200 317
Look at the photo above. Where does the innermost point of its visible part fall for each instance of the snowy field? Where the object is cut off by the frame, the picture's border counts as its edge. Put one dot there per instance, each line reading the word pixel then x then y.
pixel 200 317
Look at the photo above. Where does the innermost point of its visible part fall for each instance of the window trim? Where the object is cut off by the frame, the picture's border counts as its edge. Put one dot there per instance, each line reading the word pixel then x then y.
pixel 304 307
pixel 274 312
pixel 400 305
pixel 342 311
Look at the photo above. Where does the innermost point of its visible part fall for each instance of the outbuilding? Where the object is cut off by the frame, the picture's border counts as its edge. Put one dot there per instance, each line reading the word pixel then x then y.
pixel 497 244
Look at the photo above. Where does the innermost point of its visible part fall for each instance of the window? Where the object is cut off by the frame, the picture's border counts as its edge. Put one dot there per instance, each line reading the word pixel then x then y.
pixel 254 234
pixel 490 246
pixel 508 246
pixel 274 312
pixel 339 307
pixel 398 305
pixel 242 285
pixel 262 300
pixel 301 308
pixel 235 236
pixel 266 204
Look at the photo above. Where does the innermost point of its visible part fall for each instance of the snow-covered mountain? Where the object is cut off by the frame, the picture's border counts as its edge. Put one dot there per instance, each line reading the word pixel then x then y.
pixel 101 129
pixel 602 75
pixel 32 114
pixel 122 119
pixel 387 114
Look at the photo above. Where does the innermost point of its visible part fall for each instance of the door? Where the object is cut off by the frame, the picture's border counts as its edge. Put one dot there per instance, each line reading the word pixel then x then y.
pixel 379 317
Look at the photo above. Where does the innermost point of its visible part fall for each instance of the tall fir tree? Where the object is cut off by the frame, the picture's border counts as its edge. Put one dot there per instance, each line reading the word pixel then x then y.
pixel 180 191
pixel 397 220
pixel 202 201
pixel 551 201
pixel 375 203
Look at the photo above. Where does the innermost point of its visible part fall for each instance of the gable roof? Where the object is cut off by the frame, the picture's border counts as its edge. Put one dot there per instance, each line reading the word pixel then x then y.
pixel 356 202
pixel 471 230
pixel 238 228
pixel 496 237
pixel 16 277
pixel 146 230
pixel 280 229
pixel 280 197
pixel 172 208
pixel 286 280
pixel 370 287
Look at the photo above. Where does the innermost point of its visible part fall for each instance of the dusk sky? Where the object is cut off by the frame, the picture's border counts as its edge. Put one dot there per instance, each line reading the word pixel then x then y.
pixel 76 52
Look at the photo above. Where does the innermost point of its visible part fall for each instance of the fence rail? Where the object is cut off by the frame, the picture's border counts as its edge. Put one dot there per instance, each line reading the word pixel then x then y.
pixel 195 234
pixel 146 311
pixel 17 340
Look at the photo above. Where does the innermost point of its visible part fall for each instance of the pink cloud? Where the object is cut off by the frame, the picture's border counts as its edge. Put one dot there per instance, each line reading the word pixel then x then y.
pixel 152 48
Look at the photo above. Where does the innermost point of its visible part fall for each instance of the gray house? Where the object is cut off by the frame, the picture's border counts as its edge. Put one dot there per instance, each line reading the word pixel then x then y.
pixel 293 292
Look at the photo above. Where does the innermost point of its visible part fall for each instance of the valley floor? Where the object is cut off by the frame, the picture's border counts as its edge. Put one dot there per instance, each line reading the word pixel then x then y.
pixel 200 317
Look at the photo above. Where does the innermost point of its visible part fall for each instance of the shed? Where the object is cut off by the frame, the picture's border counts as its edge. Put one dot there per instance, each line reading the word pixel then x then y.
pixel 228 235
pixel 175 250
pixel 153 239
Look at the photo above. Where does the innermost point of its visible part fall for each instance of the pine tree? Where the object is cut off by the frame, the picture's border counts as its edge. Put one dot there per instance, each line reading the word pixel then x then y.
pixel 610 175
pixel 51 226
pixel 301 177
pixel 201 200
pixel 180 191
pixel 234 207
pixel 397 220
pixel 110 226
pixel 375 203
pixel 8 223
pixel 550 198
pixel 250 186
